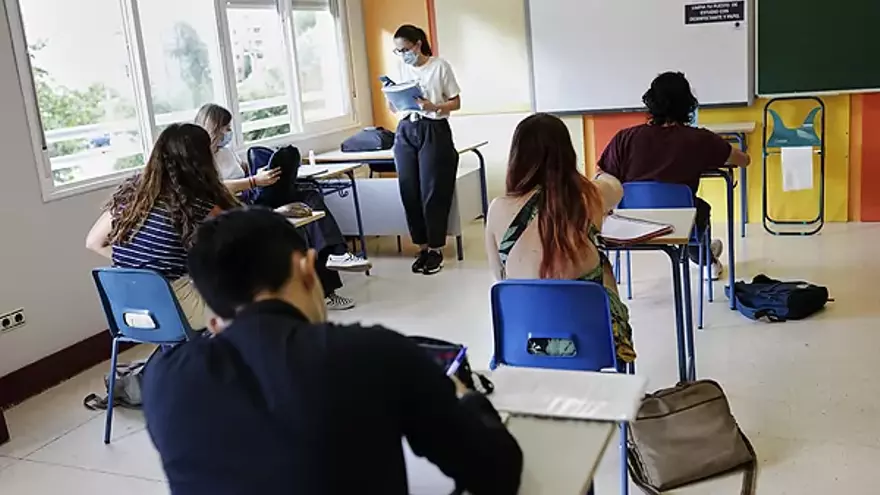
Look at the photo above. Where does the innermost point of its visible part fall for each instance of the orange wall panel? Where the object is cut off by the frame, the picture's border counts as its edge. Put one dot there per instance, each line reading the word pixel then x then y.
pixel 381 19
pixel 870 158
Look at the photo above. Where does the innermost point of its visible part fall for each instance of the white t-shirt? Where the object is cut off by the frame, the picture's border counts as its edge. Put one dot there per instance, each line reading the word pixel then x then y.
pixel 228 165
pixel 437 81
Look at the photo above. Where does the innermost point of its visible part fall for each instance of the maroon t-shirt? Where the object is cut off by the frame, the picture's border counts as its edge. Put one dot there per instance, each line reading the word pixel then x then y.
pixel 675 154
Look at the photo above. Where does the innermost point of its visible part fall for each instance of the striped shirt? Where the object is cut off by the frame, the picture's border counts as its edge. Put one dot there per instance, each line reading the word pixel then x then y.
pixel 157 244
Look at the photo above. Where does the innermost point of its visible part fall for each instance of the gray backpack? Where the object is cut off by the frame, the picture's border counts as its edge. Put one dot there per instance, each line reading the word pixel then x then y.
pixel 127 390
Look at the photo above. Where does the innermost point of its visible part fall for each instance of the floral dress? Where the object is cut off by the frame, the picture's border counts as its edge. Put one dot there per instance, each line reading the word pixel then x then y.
pixel 619 312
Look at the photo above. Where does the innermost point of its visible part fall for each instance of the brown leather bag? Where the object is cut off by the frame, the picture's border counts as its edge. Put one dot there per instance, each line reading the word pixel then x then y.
pixel 686 434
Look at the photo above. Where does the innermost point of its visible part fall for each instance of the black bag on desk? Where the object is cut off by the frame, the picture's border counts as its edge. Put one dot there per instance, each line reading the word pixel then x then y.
pixel 369 139
pixel 773 300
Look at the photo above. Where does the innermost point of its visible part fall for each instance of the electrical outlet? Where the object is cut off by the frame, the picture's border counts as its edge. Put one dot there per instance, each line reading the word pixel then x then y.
pixel 12 320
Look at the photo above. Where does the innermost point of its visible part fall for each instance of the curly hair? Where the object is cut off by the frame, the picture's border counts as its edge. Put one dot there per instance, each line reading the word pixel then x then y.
pixel 670 100
pixel 181 174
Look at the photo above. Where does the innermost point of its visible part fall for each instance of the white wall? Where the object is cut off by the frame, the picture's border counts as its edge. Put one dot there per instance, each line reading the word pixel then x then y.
pixel 498 130
pixel 44 266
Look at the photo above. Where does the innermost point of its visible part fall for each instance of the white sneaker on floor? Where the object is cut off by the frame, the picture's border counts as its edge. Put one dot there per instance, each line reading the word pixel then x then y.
pixel 335 302
pixel 716 270
pixel 348 263
pixel 716 247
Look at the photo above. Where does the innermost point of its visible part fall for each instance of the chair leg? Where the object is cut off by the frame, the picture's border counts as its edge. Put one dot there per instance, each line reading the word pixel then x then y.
pixel 629 275
pixel 702 272
pixel 624 475
pixel 111 384
pixel 709 281
pixel 616 267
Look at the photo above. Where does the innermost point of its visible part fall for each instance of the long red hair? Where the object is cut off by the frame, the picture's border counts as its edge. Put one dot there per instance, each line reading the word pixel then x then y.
pixel 543 157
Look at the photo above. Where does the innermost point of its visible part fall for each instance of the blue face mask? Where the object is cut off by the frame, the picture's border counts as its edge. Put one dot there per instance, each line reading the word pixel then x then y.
pixel 409 57
pixel 225 140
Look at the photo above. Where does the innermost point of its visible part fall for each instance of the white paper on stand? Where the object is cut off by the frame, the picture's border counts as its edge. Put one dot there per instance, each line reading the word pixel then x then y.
pixel 797 168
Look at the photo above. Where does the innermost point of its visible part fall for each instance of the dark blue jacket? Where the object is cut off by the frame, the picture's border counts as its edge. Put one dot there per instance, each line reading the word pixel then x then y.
pixel 277 405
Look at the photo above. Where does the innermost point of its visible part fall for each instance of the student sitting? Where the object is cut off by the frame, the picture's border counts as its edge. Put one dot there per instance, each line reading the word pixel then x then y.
pixel 279 401
pixel 667 149
pixel 546 226
pixel 151 220
pixel 324 234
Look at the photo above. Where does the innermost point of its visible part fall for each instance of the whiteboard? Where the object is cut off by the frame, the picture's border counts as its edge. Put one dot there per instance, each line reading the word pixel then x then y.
pixel 600 55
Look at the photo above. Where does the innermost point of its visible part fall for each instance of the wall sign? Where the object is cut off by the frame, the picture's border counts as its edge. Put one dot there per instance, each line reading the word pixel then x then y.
pixel 714 12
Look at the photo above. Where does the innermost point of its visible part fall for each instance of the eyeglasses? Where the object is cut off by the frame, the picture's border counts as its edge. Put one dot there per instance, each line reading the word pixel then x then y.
pixel 401 51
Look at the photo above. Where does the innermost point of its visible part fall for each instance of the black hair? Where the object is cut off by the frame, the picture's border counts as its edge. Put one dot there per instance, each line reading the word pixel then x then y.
pixel 414 34
pixel 241 253
pixel 670 100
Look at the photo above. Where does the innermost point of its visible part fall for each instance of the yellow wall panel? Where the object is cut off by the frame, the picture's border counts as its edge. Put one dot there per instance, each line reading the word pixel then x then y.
pixel 799 205
pixel 485 41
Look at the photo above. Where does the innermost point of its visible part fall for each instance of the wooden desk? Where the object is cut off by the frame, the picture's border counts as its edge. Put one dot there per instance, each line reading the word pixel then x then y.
pixel 327 171
pixel 675 247
pixel 379 156
pixel 560 455
pixel 383 161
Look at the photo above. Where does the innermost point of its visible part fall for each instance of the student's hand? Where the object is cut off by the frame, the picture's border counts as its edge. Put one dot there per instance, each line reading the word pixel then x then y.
pixel 427 106
pixel 267 177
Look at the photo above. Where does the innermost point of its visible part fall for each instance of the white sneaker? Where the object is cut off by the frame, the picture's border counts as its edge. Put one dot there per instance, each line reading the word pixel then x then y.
pixel 348 263
pixel 716 270
pixel 335 302
pixel 716 247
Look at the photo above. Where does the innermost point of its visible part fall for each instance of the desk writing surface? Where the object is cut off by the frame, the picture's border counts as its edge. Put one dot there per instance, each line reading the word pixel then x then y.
pixel 731 127
pixel 380 155
pixel 328 170
pixel 302 222
pixel 560 457
pixel 681 219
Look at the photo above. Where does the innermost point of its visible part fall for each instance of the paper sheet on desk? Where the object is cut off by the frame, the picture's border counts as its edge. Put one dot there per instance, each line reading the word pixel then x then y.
pixel 797 168
pixel 567 394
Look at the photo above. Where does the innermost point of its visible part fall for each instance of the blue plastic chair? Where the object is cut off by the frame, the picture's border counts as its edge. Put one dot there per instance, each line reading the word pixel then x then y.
pixel 803 136
pixel 647 195
pixel 562 309
pixel 140 307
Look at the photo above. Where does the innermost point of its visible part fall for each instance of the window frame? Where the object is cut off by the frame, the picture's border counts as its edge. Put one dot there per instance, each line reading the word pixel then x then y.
pixel 142 93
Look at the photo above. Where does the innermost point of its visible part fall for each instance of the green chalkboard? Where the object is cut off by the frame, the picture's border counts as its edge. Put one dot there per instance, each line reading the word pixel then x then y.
pixel 810 46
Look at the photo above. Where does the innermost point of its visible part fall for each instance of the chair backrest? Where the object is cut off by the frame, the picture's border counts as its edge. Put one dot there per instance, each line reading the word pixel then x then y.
pixel 656 195
pixel 258 157
pixel 140 305
pixel 555 309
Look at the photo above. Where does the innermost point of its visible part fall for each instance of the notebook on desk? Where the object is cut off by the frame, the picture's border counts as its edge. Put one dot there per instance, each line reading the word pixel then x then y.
pixel 620 229
pixel 577 395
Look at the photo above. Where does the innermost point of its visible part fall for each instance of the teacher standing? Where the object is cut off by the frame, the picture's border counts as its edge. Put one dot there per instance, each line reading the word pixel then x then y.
pixel 424 154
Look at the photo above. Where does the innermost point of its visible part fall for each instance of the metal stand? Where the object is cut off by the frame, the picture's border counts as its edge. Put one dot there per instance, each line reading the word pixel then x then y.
pixel 801 137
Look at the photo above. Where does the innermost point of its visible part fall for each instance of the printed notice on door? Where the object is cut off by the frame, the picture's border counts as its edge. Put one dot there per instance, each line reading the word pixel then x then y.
pixel 714 12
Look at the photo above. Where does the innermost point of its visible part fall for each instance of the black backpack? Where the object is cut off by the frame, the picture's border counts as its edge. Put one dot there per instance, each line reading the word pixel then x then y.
pixel 369 139
pixel 773 300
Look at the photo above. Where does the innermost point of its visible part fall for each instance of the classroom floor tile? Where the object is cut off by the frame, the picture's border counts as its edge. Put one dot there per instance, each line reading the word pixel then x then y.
pixel 802 391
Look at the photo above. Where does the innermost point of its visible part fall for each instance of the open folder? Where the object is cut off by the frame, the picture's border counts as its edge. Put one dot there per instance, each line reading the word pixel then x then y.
pixel 618 229
pixel 403 96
